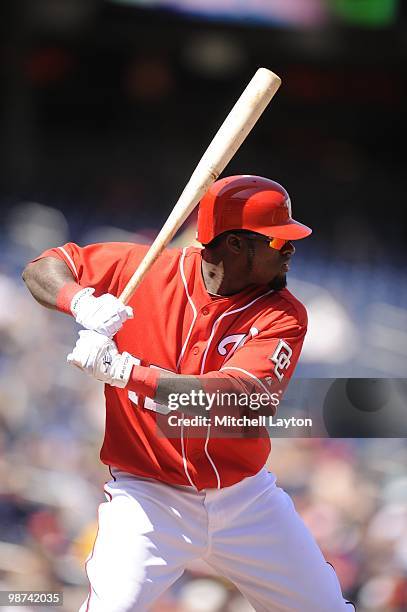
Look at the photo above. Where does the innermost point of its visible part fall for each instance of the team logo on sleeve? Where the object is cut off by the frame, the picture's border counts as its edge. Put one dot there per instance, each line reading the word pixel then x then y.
pixel 281 358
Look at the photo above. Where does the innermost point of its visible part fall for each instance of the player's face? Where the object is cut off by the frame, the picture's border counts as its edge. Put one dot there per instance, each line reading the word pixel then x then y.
pixel 267 265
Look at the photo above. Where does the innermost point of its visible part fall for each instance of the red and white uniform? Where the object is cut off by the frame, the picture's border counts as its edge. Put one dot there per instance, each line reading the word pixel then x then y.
pixel 221 506
pixel 179 327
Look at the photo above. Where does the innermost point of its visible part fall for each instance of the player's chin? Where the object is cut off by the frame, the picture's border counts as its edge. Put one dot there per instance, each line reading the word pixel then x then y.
pixel 278 282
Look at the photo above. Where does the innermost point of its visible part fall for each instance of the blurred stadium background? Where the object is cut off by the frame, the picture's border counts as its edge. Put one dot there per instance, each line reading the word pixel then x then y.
pixel 105 109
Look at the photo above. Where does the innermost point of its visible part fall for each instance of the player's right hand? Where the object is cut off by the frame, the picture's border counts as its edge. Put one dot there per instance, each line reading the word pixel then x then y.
pixel 105 314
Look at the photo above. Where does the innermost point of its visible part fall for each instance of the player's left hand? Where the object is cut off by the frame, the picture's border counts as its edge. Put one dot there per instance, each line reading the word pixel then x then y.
pixel 99 357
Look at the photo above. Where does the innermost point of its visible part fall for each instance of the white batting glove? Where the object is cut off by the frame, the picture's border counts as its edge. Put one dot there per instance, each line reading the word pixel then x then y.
pixel 98 356
pixel 105 314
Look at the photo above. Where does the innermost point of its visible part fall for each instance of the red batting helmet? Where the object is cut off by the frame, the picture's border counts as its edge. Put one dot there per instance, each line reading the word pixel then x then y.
pixel 248 202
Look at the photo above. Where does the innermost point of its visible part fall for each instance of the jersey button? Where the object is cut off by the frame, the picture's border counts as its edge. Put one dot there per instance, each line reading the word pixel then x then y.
pixel 205 311
pixel 195 350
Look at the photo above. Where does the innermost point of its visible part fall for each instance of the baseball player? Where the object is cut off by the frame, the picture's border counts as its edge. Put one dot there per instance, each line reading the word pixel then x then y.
pixel 221 313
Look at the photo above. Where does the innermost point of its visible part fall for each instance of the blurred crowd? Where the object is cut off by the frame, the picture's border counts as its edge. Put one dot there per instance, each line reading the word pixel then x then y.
pixel 351 493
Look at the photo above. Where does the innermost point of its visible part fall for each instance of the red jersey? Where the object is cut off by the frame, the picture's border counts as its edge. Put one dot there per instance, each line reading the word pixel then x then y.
pixel 177 326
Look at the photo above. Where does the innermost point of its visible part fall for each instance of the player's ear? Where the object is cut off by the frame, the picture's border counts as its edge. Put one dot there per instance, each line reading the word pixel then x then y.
pixel 234 243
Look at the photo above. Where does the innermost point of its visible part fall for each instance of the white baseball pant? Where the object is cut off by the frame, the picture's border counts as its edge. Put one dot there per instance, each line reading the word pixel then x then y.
pixel 250 533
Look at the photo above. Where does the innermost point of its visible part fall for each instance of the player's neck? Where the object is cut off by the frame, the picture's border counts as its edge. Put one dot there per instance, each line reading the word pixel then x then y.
pixel 218 282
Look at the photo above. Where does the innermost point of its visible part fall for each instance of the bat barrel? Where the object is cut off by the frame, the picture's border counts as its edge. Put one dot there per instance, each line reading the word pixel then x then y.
pixel 224 145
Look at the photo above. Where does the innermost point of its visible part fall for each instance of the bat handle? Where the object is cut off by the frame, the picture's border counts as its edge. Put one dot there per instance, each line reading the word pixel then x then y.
pixel 151 256
pixel 166 234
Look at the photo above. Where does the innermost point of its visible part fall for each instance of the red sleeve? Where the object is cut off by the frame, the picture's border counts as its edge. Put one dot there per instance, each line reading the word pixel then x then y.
pixel 269 359
pixel 98 265
pixel 265 364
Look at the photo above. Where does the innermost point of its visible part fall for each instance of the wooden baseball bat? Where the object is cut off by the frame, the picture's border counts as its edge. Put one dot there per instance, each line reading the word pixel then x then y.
pixel 224 145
